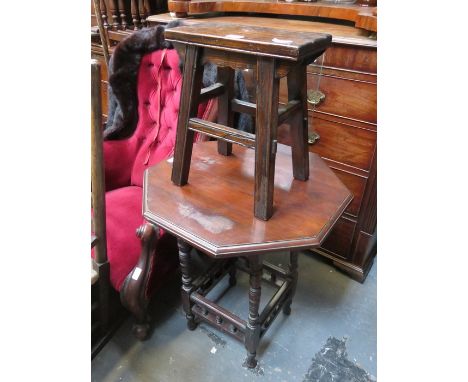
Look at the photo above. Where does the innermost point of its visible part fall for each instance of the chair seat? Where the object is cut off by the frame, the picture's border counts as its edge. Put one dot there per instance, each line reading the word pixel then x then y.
pixel 123 217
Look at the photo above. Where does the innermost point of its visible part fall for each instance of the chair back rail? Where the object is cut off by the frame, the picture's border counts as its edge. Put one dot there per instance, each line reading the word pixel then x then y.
pixel 97 166
pixel 104 13
pixel 118 15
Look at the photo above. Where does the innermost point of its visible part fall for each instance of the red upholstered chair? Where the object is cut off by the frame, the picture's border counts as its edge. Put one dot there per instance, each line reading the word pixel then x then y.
pixel 135 271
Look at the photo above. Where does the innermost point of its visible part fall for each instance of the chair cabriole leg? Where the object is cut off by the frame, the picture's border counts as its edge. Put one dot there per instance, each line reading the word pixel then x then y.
pixel 134 291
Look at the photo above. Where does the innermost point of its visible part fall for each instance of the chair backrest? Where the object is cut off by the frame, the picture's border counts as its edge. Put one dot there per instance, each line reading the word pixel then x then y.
pixel 158 88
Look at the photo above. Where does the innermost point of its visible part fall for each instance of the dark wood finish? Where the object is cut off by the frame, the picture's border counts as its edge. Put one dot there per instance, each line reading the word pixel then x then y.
pixel 257 40
pixel 191 85
pixel 104 13
pixel 284 111
pixel 297 91
pixel 106 312
pixel 272 48
pixel 363 17
pixel 225 112
pixel 347 36
pixel 97 168
pixel 293 264
pixel 341 238
pixel 101 262
pixel 248 332
pixel 142 11
pixel 114 9
pixel 228 134
pixel 102 29
pixel 345 97
pixel 266 122
pixel 184 258
pixel 218 223
pixel 133 293
pixel 242 61
pixel 212 91
pixel 347 134
pixel 123 15
pixel 135 14
pixel 345 142
pixel 219 317
pixel 252 333
pixel 127 16
pixel 290 110
pixel 213 212
pixel 98 55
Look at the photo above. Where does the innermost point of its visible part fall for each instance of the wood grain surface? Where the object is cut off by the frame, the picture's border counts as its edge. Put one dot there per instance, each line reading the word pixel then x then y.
pixel 258 40
pixel 214 211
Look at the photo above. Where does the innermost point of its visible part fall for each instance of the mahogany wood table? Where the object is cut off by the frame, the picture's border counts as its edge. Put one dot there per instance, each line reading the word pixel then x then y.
pixel 213 214
pixel 271 54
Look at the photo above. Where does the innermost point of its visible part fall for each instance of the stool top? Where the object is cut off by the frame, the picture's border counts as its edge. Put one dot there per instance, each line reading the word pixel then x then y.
pixel 262 41
pixel 214 211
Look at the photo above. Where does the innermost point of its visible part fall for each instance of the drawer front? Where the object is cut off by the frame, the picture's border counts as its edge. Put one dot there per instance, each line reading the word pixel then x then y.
pixel 356 184
pixel 343 143
pixel 346 98
pixel 340 238
pixel 352 58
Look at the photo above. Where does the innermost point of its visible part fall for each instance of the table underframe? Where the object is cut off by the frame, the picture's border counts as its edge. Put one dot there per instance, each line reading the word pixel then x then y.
pixel 199 308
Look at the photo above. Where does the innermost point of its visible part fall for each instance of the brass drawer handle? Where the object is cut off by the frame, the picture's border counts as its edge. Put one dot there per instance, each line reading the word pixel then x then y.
pixel 312 137
pixel 314 97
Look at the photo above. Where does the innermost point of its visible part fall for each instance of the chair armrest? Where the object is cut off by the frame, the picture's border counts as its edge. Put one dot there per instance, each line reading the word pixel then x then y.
pixel 119 157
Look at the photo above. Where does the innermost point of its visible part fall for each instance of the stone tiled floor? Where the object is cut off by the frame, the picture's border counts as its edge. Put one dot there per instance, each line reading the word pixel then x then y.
pixel 328 304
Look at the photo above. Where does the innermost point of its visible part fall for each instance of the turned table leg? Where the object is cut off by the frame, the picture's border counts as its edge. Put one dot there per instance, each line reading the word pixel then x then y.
pixel 252 334
pixel 294 275
pixel 184 258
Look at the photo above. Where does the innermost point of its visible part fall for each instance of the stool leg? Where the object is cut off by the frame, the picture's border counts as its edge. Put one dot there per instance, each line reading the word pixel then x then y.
pixel 265 137
pixel 297 90
pixel 191 85
pixel 225 113
pixel 184 258
pixel 294 275
pixel 252 334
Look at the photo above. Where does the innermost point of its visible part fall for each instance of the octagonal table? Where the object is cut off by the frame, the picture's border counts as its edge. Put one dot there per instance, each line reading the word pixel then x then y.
pixel 214 215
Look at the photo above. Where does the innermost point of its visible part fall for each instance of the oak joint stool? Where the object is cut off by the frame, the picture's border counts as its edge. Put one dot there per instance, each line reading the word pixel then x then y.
pixel 271 54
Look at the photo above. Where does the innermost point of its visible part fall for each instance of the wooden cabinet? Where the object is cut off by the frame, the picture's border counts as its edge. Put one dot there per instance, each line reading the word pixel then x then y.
pixel 346 121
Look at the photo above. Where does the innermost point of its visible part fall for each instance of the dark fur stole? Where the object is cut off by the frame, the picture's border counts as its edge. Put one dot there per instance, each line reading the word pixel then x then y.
pixel 124 64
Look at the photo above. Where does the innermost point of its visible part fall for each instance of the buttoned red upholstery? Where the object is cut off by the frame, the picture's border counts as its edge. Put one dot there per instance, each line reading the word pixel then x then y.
pixel 158 89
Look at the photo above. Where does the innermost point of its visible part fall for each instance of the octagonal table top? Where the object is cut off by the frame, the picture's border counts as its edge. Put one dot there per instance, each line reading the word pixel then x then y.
pixel 214 211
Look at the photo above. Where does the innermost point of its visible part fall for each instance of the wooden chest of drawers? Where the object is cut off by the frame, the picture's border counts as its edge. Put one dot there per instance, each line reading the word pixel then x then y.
pixel 346 121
